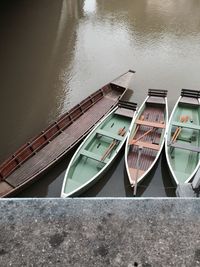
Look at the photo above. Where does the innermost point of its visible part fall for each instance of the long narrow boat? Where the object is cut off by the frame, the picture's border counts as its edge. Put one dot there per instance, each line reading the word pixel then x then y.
pixel 35 157
pixel 146 139
pixel 98 151
pixel 182 145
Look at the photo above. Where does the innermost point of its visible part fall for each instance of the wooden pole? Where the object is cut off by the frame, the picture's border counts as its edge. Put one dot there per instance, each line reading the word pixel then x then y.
pixel 137 171
pixel 183 119
pixel 121 132
pixel 132 142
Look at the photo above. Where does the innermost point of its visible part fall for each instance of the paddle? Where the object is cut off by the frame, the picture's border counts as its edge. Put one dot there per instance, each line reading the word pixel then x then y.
pixel 121 132
pixel 183 119
pixel 132 142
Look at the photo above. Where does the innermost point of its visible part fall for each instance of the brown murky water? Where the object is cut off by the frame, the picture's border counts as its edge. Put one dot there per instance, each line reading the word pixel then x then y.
pixel 55 53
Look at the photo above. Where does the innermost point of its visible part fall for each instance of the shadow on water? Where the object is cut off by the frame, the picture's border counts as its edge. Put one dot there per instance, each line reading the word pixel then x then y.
pixel 142 187
pixel 167 179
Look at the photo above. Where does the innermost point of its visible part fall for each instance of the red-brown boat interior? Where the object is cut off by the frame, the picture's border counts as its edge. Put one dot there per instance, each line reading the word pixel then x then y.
pixel 149 143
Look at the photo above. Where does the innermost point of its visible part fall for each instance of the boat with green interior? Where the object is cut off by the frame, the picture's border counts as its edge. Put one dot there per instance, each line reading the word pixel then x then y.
pixel 182 146
pixel 97 152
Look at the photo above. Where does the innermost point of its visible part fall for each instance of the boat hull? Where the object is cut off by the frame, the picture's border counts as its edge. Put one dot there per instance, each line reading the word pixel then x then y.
pixel 34 158
pixel 92 160
pixel 146 139
pixel 182 140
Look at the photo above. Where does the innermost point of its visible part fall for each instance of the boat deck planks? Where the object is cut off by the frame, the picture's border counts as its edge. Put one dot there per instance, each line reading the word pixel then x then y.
pixel 59 145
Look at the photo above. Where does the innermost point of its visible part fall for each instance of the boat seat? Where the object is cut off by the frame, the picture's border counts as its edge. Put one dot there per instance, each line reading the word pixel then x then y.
pixel 93 156
pixel 109 134
pixel 145 144
pixel 185 147
pixel 189 100
pixel 186 125
pixel 151 124
pixel 125 112
pixel 156 100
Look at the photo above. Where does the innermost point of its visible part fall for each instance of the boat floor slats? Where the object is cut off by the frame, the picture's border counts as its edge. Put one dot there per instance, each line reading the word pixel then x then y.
pixel 152 139
pixel 186 125
pixel 60 144
pixel 185 147
pixel 93 156
pixel 133 173
pixel 109 134
pixel 4 188
pixel 151 124
pixel 145 144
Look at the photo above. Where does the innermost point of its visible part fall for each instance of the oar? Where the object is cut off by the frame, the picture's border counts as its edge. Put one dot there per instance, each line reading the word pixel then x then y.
pixel 137 171
pixel 111 146
pixel 183 119
pixel 136 140
pixel 121 132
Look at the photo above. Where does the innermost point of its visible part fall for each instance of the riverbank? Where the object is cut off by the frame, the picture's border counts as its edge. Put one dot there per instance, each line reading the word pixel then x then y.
pixel 99 232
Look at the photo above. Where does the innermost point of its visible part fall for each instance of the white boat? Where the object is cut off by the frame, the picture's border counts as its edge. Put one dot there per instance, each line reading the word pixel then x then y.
pixel 98 151
pixel 146 139
pixel 182 145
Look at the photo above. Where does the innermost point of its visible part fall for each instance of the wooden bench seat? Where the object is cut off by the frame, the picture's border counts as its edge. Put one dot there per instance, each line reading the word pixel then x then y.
pixel 151 124
pixel 93 156
pixel 185 147
pixel 186 125
pixel 125 112
pixel 109 134
pixel 144 144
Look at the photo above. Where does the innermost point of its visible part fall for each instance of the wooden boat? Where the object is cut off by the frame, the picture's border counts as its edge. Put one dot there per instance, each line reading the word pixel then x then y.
pixel 146 139
pixel 98 151
pixel 182 145
pixel 33 158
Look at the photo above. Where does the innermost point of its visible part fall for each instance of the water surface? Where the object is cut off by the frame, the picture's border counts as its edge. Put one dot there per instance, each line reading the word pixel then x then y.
pixel 55 53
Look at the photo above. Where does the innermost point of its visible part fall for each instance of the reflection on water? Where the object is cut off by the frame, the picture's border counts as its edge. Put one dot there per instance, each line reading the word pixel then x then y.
pixel 53 55
pixel 89 6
